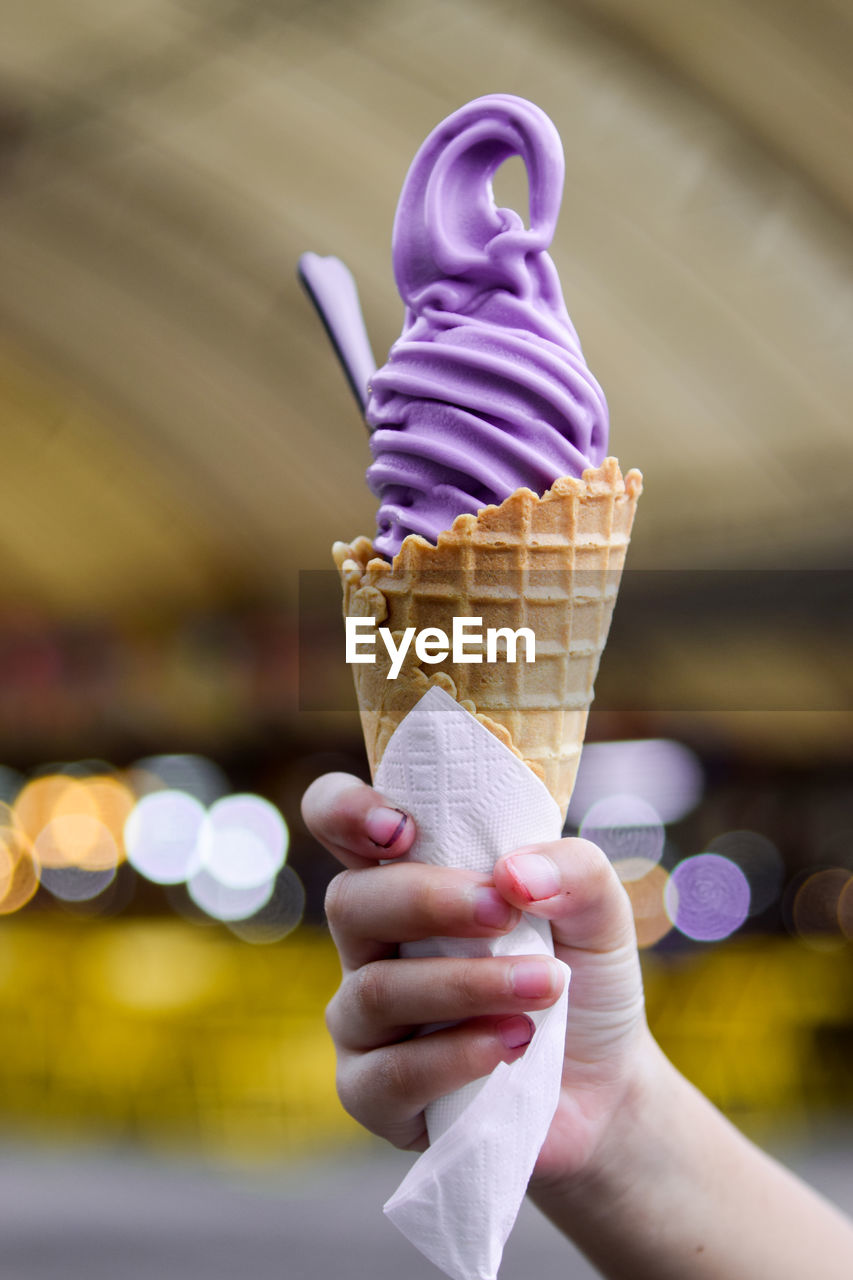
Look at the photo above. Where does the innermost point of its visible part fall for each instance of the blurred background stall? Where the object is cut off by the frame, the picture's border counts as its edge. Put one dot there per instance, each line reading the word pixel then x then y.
pixel 178 451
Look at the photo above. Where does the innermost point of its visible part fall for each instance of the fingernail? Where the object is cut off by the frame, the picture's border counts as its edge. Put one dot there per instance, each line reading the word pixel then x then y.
pixel 515 1032
pixel 384 826
pixel 532 979
pixel 490 909
pixel 534 876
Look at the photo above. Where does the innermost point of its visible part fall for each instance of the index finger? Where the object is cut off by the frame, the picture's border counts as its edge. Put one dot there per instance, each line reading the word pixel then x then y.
pixel 354 822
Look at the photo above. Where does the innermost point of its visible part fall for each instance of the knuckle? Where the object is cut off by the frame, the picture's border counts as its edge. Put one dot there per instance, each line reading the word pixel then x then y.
pixel 479 1054
pixel 370 991
pixel 379 1091
pixel 595 857
pixel 397 1074
pixel 605 893
pixel 598 873
pixel 333 1016
pixel 350 1090
pixel 338 896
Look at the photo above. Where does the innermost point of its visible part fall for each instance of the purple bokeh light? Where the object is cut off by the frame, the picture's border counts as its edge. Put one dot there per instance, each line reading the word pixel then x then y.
pixel 707 897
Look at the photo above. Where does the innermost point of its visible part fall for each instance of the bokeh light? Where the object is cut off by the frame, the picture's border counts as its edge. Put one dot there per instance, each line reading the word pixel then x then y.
pixel 625 826
pixel 37 801
pixel 111 900
pixel 113 801
pixel 74 818
pixel 759 860
pixel 10 852
pixel 19 873
pixel 19 869
pixel 224 902
pixel 279 917
pixel 230 857
pixel 76 840
pixel 74 884
pixel 707 897
pixel 666 774
pixel 645 883
pixel 243 842
pixel 628 869
pixel 161 836
pixel 816 907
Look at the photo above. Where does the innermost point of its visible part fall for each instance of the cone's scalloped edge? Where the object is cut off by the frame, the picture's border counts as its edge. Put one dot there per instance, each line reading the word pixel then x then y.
pixel 357 558
pixel 371 584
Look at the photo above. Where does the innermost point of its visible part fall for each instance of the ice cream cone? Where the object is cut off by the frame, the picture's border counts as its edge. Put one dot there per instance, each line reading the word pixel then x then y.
pixel 551 564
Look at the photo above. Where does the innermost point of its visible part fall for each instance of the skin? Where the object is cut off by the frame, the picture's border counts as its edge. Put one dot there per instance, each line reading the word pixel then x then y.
pixel 638 1168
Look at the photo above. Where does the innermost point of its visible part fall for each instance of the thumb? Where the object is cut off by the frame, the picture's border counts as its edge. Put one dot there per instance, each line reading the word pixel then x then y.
pixel 572 884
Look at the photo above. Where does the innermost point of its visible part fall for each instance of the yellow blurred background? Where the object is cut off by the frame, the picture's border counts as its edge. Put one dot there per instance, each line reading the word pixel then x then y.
pixel 178 451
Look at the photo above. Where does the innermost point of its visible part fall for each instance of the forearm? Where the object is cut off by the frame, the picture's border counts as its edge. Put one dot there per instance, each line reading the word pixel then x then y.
pixel 677 1192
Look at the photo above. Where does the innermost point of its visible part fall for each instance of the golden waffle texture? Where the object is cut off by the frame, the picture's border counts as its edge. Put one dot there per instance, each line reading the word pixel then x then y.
pixel 551 564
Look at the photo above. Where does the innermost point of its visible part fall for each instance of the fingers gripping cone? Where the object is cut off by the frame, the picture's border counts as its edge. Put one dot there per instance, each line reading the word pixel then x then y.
pixel 550 564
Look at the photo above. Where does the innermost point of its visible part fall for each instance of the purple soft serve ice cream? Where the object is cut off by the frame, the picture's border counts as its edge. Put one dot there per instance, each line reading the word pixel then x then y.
pixel 486 390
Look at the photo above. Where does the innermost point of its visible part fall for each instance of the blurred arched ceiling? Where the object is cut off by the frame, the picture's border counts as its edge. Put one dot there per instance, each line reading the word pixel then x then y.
pixel 172 425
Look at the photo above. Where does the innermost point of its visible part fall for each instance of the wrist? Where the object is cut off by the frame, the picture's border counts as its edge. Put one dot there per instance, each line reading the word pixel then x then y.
pixel 630 1146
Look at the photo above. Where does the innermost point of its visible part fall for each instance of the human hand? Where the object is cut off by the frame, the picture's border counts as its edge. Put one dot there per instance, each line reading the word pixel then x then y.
pixel 386 1074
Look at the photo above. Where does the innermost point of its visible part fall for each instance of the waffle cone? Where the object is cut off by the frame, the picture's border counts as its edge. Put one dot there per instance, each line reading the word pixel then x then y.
pixel 551 564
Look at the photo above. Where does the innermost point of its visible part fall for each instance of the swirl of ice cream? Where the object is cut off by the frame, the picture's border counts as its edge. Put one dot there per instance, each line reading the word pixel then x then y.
pixel 486 391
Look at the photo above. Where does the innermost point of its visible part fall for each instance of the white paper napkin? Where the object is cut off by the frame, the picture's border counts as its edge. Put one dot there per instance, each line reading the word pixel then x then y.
pixel 474 801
